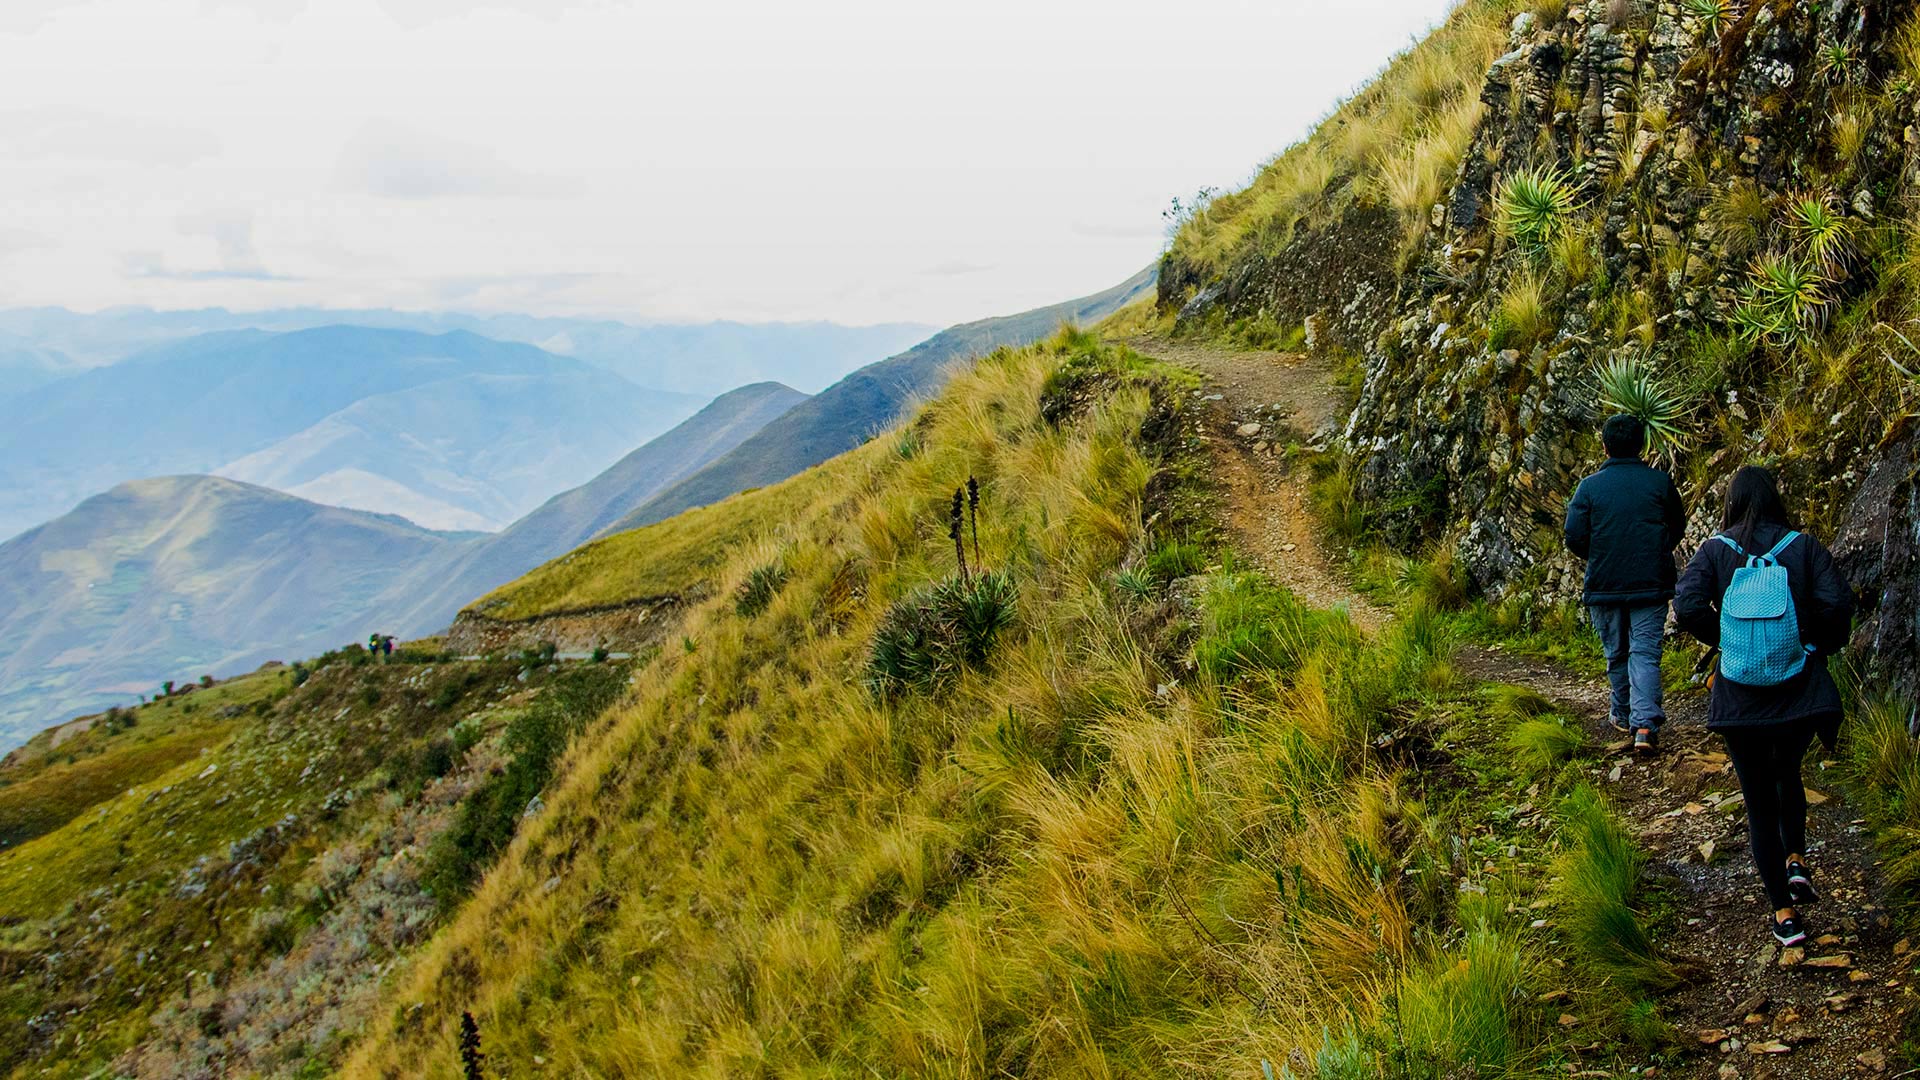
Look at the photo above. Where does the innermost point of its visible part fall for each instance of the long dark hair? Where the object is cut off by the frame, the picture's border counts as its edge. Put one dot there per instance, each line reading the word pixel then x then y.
pixel 1753 500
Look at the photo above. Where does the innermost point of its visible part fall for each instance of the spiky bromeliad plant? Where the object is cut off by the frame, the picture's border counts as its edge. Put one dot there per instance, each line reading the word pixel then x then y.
pixel 1628 386
pixel 932 634
pixel 1786 299
pixel 1819 232
pixel 1713 14
pixel 1535 205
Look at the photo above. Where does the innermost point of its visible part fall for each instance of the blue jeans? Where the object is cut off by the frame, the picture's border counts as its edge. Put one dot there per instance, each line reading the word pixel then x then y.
pixel 1631 638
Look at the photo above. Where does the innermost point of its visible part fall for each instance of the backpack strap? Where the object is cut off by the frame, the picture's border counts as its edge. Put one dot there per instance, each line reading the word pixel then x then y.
pixel 1728 540
pixel 1774 555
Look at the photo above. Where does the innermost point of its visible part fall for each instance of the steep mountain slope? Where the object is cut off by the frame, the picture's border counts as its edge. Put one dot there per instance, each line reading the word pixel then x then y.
pixel 871 399
pixel 426 600
pixel 697 358
pixel 175 577
pixel 229 873
pixel 475 451
pixel 199 404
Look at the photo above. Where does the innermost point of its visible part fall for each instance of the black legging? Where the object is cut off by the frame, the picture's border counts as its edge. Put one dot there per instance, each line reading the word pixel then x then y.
pixel 1768 761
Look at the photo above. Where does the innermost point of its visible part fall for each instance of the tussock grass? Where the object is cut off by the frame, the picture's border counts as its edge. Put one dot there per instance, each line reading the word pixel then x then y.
pixel 1884 759
pixel 1599 878
pixel 1543 744
pixel 1520 317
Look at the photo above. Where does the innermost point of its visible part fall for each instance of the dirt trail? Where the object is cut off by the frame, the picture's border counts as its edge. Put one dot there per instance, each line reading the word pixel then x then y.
pixel 1745 1010
pixel 1751 1008
pixel 1260 402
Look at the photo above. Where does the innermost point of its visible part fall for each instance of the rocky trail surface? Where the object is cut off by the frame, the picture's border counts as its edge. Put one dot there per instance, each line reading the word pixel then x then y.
pixel 1260 403
pixel 1744 1007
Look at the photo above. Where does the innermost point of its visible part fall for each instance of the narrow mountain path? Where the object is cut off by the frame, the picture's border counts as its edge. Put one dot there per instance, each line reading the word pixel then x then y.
pixel 1828 1010
pixel 1261 402
pixel 1746 1008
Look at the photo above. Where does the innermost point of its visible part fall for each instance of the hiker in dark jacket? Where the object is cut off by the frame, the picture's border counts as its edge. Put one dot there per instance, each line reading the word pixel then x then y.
pixel 1625 521
pixel 1769 728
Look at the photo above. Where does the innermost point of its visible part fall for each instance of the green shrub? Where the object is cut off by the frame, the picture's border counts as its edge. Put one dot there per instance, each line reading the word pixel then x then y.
pixel 929 636
pixel 535 739
pixel 762 584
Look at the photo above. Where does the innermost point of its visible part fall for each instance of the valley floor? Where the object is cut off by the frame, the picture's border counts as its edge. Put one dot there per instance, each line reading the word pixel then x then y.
pixel 1746 1007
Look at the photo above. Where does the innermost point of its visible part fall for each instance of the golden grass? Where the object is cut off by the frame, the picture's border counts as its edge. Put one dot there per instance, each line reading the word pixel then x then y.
pixel 1397 141
pixel 671 558
pixel 1069 863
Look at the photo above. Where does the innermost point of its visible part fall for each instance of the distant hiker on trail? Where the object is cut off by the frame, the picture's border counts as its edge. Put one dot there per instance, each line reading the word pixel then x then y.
pixel 1625 520
pixel 386 646
pixel 1776 607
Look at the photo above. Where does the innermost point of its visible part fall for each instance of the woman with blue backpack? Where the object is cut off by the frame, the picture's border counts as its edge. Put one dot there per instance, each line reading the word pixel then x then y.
pixel 1770 599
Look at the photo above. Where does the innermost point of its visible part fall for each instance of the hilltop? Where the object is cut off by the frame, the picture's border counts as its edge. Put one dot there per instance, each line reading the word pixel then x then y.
pixel 175 577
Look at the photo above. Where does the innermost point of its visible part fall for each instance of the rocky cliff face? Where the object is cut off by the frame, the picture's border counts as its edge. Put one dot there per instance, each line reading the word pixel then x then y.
pixel 1688 136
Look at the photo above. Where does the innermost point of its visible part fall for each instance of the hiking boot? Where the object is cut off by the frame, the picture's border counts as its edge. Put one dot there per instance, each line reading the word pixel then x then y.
pixel 1787 931
pixel 1800 883
pixel 1619 723
pixel 1646 741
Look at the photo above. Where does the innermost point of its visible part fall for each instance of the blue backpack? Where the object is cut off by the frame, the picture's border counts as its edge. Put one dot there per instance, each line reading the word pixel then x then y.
pixel 1759 630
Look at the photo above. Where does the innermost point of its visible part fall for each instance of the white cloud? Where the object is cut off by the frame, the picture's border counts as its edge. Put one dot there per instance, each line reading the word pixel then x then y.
pixel 417 13
pixel 955 268
pixel 857 160
pixel 390 161
pixel 76 134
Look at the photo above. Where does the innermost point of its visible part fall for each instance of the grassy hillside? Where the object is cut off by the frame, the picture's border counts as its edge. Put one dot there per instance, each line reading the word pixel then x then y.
pixel 429 597
pixel 870 400
pixel 213 884
pixel 1103 803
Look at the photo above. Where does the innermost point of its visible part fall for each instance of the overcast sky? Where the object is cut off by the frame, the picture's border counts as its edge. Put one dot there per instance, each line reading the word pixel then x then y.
pixel 853 160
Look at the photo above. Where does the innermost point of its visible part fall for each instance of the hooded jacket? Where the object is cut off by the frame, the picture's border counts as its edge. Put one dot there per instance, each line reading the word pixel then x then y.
pixel 1625 521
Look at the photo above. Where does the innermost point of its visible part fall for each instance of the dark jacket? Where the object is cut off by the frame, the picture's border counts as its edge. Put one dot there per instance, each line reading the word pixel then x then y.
pixel 1625 520
pixel 1821 599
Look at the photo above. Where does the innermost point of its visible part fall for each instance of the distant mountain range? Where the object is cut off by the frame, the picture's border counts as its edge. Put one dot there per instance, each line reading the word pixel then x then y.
pixel 454 429
pixel 184 575
pixel 703 359
pixel 870 400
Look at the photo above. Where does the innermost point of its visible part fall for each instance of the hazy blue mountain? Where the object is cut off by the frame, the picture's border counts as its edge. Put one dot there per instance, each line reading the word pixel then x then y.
pixel 179 576
pixel 694 358
pixel 469 452
pixel 212 400
pixel 427 600
pixel 869 400
pixel 25 366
